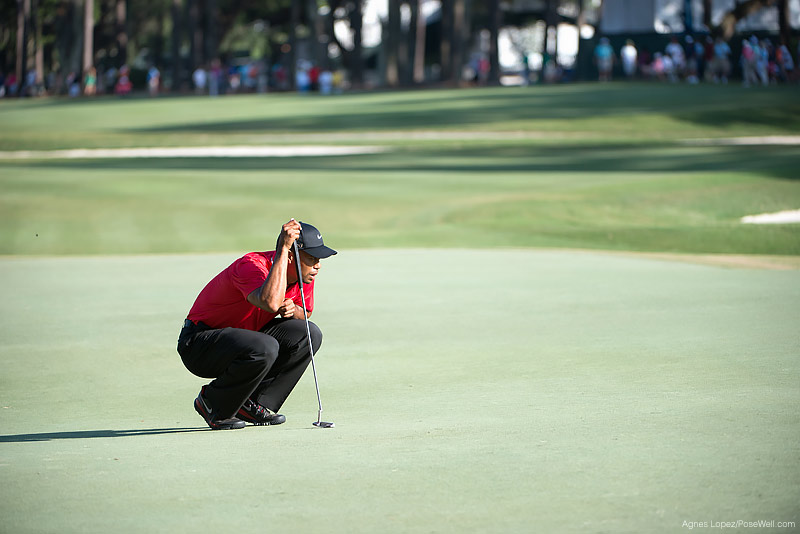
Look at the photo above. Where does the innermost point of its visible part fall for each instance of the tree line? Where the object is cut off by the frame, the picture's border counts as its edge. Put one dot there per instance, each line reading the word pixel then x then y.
pixel 177 36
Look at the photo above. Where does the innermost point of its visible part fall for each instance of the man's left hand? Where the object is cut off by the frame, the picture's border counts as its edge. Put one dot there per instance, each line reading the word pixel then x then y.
pixel 287 310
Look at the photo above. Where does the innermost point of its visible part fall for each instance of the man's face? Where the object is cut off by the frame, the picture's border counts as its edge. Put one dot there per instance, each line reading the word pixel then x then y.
pixel 309 267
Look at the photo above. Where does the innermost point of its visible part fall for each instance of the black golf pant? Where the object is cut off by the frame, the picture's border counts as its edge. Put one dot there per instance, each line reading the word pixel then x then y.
pixel 264 366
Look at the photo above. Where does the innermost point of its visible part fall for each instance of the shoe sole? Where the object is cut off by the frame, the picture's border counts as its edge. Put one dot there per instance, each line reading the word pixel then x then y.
pixel 215 426
pixel 277 419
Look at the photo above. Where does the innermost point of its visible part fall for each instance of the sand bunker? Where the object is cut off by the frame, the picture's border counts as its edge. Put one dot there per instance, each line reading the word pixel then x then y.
pixel 780 217
pixel 196 152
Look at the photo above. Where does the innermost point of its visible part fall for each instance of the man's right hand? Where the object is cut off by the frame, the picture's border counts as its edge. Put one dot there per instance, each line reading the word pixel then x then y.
pixel 289 233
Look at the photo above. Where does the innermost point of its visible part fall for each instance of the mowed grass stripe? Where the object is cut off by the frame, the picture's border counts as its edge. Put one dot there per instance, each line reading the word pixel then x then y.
pixel 632 111
pixel 415 198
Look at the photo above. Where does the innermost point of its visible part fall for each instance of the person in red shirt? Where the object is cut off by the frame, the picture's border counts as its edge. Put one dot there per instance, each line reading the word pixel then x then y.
pixel 246 330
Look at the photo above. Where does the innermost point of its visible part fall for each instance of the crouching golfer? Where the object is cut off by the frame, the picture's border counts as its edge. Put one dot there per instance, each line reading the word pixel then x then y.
pixel 246 330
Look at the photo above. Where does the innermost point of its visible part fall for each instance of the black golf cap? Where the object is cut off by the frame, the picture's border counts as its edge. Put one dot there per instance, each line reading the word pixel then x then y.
pixel 310 242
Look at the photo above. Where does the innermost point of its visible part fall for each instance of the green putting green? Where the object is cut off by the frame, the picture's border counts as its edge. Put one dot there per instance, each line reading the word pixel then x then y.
pixel 503 390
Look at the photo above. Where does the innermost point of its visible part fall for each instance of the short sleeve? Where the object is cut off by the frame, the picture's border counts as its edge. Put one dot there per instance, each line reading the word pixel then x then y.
pixel 248 274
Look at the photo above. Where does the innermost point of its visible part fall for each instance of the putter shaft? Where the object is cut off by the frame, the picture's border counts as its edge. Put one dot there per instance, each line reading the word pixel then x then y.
pixel 319 422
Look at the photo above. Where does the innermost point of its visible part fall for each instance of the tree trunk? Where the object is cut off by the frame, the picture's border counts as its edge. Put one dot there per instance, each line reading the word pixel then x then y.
pixel 419 42
pixel 707 12
pixel 294 21
pixel 88 36
pixel 356 23
pixel 551 31
pixel 38 47
pixel 190 18
pixel 494 35
pixel 121 13
pixel 784 15
pixel 581 21
pixel 319 45
pixel 408 53
pixel 459 38
pixel 158 46
pixel 23 18
pixel 210 38
pixel 391 44
pixel 446 43
pixel 177 37
pixel 76 48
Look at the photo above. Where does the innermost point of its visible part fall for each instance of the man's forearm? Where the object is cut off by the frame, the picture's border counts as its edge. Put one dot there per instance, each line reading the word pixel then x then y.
pixel 270 295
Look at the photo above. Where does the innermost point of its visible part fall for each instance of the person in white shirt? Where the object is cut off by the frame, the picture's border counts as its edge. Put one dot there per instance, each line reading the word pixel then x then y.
pixel 675 51
pixel 629 55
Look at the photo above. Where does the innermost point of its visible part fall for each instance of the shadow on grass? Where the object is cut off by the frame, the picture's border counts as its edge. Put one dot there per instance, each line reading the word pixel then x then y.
pixel 769 161
pixel 706 106
pixel 83 434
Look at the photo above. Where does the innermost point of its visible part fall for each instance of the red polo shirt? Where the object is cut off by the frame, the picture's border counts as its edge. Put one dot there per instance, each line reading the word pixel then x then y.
pixel 223 302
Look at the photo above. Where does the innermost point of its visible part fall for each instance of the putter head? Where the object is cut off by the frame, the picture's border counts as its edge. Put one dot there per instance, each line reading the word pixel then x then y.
pixel 323 424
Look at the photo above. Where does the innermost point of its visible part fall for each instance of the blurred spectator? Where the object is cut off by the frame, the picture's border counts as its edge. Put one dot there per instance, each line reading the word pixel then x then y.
pixel 785 63
pixel 234 79
pixel 692 54
pixel 721 64
pixel 11 84
pixel 262 78
pixel 302 80
pixel 604 58
pixel 249 73
pixel 645 61
pixel 110 78
pixel 100 81
pixel 708 59
pixel 215 76
pixel 628 56
pixel 153 80
pixel 123 86
pixel 73 85
pixel 90 82
pixel 483 70
pixel 325 82
pixel 670 72
pixel 700 58
pixel 762 59
pixel 199 78
pixel 748 64
pixel 313 77
pixel 338 81
pixel 657 67
pixel 551 71
pixel 526 70
pixel 678 58
pixel 768 60
pixel 280 76
pixel 31 85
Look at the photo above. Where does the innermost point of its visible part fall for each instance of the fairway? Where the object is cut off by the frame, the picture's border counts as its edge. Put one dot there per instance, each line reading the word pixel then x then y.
pixel 545 315
pixel 586 166
pixel 472 390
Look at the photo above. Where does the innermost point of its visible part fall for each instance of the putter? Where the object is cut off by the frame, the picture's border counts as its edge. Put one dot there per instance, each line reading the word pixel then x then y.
pixel 319 423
